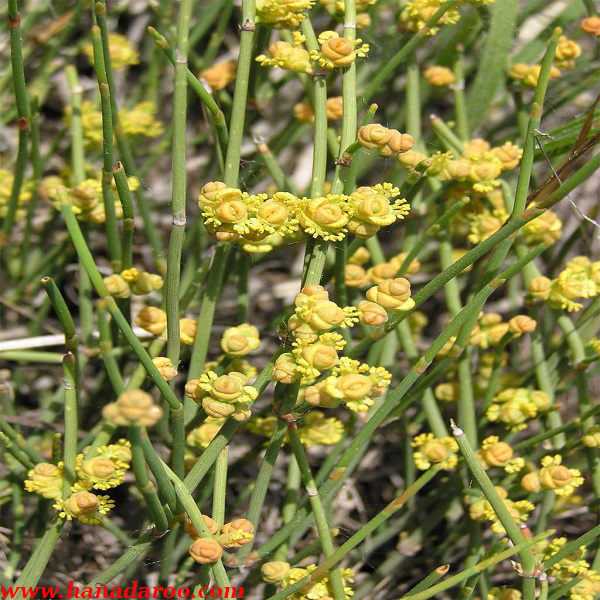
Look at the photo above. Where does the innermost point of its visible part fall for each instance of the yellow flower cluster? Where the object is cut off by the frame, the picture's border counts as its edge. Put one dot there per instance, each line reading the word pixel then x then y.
pixel 434 451
pixel 132 281
pixel 6 185
pixel 292 57
pixel 154 320
pixel 515 406
pixel 139 120
pixel 570 566
pixel 590 25
pixel 564 58
pixel 338 51
pixel 104 471
pixel 357 276
pixel 279 572
pixel 417 12
pixel 207 550
pixel 494 453
pixel 580 279
pixel 503 593
pixel 220 75
pixel 439 76
pixel 121 51
pixel 336 8
pixel 232 215
pixel 223 396
pixel 490 329
pixel 390 294
pixel 204 434
pixel 133 407
pixel 553 476
pixel 282 14
pixel 240 340
pixel 315 429
pixel 481 510
pixel 303 111
pixel 389 142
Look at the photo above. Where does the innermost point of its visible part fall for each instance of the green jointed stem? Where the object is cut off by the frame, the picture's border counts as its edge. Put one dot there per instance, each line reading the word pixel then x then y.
pixel 62 312
pixel 128 215
pixel 22 101
pixel 460 108
pixel 146 487
pixel 112 229
pixel 87 261
pixel 220 486
pixel 512 528
pixel 430 580
pixel 106 349
pixel 71 423
pixel 323 529
pixel 479 567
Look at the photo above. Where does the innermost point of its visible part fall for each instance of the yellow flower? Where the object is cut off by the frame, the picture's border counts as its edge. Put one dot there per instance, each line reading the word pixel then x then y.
pixel 141 120
pixel 591 437
pixel 236 533
pixel 285 369
pixel 117 286
pixel 240 340
pixel 389 142
pixel 515 406
pixel 355 276
pixel 122 52
pixel 392 294
pixel 495 453
pixel 205 551
pixel 418 12
pixel 99 472
pixel 497 593
pixel 529 74
pixel 119 453
pixel 303 111
pixel 521 324
pixel 539 287
pixel 337 51
pixel 187 330
pixel 152 319
pixel 84 506
pixel 133 407
pixel 211 524
pixel 590 25
pixel 481 510
pixel 447 392
pixel 46 480
pixel 434 451
pixel 570 566
pixel 317 430
pixel 319 589
pixel 438 76
pixel 282 14
pixel 292 57
pixel 203 435
pixel 220 75
pixel 324 217
pixel 508 154
pixel 165 367
pixel 556 477
pixel 274 572
pixel 566 53
pixel 371 313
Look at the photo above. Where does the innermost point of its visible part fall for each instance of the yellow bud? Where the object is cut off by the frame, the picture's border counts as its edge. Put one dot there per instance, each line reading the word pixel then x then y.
pixel 117 286
pixel 373 135
pixel 240 340
pixel 152 319
pixel 146 283
pixel 320 356
pixel 82 503
pixel 219 76
pixel 521 324
pixel 539 287
pixel 382 271
pixel 531 482
pixel 212 525
pixel 555 477
pixel 301 330
pixel 354 385
pixel 360 257
pixel 284 369
pixel 165 367
pixel 275 572
pixel 236 533
pixel 102 468
pixel 447 392
pixel 591 437
pixel 439 75
pixel 208 193
pixel 133 407
pixel 217 408
pixel 355 276
pixel 187 330
pixel 591 25
pixel 339 50
pixel 497 454
pixel 392 294
pixel 206 551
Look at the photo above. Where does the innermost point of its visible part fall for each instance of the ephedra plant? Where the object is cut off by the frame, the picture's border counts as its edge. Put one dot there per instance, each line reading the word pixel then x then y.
pixel 301 298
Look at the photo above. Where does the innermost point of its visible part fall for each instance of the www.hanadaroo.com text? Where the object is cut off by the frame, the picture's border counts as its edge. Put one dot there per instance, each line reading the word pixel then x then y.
pixel 132 591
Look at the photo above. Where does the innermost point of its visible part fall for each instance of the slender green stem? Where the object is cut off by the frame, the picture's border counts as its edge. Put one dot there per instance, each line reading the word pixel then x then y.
pixel 460 107
pixel 430 580
pixel 71 424
pixel 106 349
pixel 62 312
pixel 112 229
pixel 22 101
pixel 146 487
pixel 220 486
pixel 335 577
pixel 128 214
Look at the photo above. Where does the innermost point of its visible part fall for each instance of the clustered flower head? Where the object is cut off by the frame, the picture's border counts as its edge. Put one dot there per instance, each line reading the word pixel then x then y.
pixel 132 281
pixel 133 407
pixel 203 435
pixel 439 76
pixel 303 111
pixel 515 406
pixel 165 367
pixel 392 294
pixel 481 510
pixel 553 476
pixel 240 340
pixel 315 429
pixel 591 25
pixel 122 52
pixel 282 14
pixel 154 320
pixel 494 453
pixel 220 75
pixel 417 12
pixel 434 451
pixel 580 279
pixel 223 396
pixel 292 57
pixel 389 142
pixel 570 566
pixel 207 550
pixel 338 51
pixel 280 573
pixel 138 120
pixel 103 471
pixel 336 8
